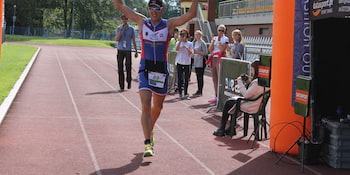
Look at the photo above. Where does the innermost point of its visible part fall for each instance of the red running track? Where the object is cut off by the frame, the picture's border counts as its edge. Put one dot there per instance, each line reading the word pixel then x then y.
pixel 69 119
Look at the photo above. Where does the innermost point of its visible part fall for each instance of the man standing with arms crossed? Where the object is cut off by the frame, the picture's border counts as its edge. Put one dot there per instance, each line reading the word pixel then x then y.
pixel 155 33
pixel 124 35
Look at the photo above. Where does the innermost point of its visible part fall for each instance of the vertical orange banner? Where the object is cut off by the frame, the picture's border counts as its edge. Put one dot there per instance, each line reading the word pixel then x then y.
pixel 283 135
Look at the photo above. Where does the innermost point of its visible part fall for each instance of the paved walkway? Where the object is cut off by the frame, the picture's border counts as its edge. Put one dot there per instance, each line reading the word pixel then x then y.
pixel 69 119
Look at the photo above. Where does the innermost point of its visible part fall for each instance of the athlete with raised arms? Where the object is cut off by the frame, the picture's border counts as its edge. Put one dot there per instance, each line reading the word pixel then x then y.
pixel 155 33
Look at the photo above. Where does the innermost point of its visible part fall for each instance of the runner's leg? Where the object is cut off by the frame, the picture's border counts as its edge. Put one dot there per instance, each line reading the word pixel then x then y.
pixel 146 118
pixel 156 108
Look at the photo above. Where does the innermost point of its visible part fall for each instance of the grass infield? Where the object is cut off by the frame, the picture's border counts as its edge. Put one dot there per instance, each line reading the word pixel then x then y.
pixel 14 59
pixel 59 41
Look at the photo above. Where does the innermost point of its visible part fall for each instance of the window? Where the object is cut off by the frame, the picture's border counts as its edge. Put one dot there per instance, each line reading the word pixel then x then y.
pixel 264 31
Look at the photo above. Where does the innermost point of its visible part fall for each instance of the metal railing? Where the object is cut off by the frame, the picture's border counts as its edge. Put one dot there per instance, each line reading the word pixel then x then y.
pixel 61 33
pixel 204 26
pixel 252 53
pixel 254 46
pixel 244 7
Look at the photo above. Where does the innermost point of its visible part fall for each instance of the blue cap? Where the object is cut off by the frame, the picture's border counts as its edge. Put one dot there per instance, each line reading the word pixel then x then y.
pixel 158 3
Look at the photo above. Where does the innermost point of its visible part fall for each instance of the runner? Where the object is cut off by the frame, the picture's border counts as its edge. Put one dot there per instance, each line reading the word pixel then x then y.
pixel 155 35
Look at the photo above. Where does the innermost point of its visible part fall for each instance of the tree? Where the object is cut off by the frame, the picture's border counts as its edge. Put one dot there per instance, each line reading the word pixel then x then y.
pixel 91 15
pixel 172 9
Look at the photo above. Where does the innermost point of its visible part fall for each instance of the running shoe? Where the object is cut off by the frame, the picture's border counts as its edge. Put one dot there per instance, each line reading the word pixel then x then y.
pixel 148 151
pixel 185 97
pixel 212 100
pixel 181 96
pixel 197 94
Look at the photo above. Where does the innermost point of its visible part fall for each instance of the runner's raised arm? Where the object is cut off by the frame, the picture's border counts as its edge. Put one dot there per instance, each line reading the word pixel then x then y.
pixel 136 17
pixel 183 19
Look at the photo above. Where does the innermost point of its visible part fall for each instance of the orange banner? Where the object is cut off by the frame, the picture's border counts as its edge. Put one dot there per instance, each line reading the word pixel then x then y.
pixel 2 23
pixel 282 111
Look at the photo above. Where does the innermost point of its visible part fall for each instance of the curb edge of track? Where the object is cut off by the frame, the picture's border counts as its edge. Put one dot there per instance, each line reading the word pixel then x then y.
pixel 5 106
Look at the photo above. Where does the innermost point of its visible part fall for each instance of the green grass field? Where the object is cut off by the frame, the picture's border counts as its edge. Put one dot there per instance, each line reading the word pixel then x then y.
pixel 14 59
pixel 58 41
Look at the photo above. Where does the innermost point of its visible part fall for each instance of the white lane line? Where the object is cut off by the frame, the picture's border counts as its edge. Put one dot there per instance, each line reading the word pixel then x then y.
pixel 6 104
pixel 205 114
pixel 199 111
pixel 260 143
pixel 188 105
pixel 160 128
pixel 113 65
pixel 82 127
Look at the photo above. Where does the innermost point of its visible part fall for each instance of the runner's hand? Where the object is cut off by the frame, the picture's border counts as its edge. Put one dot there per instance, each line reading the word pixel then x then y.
pixel 136 54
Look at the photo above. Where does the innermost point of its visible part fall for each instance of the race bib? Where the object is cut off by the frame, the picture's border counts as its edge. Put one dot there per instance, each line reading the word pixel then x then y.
pixel 156 79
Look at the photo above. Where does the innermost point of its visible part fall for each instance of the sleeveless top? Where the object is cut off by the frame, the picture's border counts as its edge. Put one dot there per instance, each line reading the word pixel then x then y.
pixel 154 42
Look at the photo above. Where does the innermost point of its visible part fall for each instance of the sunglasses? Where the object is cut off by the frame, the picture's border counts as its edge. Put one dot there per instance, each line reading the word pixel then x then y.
pixel 154 9
pixel 183 34
pixel 221 30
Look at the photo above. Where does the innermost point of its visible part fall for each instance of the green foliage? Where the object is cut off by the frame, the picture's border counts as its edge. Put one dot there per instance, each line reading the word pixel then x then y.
pixel 138 5
pixel 172 9
pixel 89 15
pixel 53 18
pixel 12 64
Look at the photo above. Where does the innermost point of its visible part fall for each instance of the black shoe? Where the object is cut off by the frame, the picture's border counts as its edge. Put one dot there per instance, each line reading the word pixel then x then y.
pixel 219 132
pixel 129 86
pixel 227 132
pixel 197 94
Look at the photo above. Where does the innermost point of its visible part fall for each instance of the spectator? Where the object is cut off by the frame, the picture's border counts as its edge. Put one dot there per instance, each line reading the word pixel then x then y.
pixel 125 34
pixel 217 44
pixel 172 48
pixel 237 48
pixel 200 51
pixel 184 50
pixel 253 91
pixel 173 40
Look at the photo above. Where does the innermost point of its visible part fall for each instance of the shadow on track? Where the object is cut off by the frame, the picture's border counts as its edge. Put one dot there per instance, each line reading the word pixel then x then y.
pixel 135 163
pixel 102 92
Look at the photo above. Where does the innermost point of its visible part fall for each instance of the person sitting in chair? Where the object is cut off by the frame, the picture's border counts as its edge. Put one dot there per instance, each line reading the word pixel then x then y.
pixel 252 90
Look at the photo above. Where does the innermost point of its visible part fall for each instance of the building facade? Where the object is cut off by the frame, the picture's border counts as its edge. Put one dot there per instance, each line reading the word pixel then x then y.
pixel 252 17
